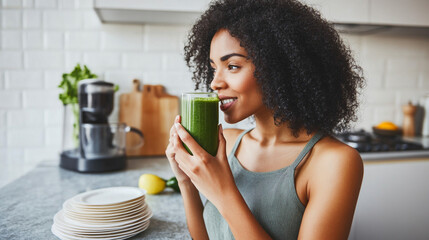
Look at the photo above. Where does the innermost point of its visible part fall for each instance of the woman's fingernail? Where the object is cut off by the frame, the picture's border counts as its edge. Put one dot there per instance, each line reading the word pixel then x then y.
pixel 177 118
pixel 177 125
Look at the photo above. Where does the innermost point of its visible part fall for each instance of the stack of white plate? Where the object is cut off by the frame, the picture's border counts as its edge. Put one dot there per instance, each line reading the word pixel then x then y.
pixel 107 213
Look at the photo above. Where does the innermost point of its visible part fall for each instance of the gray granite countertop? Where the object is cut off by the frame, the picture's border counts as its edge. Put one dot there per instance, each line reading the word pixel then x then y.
pixel 28 205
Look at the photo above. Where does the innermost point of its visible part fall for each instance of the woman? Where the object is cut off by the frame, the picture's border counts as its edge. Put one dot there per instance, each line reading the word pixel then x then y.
pixel 287 178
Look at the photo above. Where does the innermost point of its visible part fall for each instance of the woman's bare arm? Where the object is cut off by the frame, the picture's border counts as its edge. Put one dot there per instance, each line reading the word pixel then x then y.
pixel 333 191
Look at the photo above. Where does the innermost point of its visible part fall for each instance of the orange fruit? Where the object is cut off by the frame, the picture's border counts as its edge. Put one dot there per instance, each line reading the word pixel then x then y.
pixel 387 126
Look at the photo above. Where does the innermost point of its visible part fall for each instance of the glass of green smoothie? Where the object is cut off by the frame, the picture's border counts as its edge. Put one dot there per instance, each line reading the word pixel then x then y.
pixel 200 117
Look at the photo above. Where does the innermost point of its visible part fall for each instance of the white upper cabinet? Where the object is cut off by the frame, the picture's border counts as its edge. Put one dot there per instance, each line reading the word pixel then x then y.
pixel 342 11
pixel 412 13
pixel 400 12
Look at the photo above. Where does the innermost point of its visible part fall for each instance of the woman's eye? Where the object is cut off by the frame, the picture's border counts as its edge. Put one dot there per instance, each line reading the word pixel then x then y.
pixel 233 67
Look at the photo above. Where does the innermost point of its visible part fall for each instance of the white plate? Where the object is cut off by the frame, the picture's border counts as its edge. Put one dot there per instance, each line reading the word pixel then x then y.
pixel 108 196
pixel 59 217
pixel 69 205
pixel 74 228
pixel 105 220
pixel 130 227
pixel 105 233
pixel 104 215
pixel 65 236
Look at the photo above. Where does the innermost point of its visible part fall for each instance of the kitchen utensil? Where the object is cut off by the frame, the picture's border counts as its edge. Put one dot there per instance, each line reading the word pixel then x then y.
pixel 152 111
pixel 408 126
pixel 386 132
pixel 101 146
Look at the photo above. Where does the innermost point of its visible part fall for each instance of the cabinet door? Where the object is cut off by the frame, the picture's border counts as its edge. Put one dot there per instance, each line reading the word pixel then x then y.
pixel 342 11
pixel 393 202
pixel 400 12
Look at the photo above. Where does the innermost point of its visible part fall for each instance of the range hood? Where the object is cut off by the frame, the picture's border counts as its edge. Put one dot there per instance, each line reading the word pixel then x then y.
pixel 348 16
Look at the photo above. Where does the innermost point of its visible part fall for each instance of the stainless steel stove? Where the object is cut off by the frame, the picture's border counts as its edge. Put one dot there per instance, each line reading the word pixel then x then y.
pixel 366 142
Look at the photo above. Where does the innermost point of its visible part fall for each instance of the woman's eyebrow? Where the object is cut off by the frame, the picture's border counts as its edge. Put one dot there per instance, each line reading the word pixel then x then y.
pixel 226 57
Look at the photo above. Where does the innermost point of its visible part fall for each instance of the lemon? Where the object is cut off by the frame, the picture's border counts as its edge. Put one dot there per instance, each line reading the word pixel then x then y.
pixel 387 126
pixel 151 183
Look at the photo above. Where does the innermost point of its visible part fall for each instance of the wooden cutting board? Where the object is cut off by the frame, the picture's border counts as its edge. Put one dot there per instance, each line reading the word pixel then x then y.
pixel 152 111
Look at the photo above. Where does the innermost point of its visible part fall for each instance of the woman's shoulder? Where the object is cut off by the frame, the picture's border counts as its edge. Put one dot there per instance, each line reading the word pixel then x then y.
pixel 336 158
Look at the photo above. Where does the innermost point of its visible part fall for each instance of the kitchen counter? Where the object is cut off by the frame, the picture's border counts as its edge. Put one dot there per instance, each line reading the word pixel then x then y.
pixel 28 205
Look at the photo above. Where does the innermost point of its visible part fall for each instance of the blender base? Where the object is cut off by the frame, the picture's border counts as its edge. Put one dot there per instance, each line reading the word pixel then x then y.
pixel 71 161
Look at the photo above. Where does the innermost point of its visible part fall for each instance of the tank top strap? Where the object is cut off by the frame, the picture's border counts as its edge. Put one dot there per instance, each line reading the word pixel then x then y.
pixel 237 142
pixel 319 135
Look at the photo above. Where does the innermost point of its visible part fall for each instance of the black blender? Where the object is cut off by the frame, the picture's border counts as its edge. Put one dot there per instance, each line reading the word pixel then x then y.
pixel 101 145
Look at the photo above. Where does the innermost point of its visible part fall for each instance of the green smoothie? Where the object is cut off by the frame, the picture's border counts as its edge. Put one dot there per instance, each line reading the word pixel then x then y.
pixel 200 117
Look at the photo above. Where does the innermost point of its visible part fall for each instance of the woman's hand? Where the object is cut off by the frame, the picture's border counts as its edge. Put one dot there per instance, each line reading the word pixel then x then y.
pixel 170 153
pixel 211 175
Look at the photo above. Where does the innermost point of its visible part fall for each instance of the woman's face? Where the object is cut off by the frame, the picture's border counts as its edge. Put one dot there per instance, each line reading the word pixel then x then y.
pixel 233 79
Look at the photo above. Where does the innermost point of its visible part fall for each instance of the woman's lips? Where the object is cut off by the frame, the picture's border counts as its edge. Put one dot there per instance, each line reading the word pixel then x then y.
pixel 226 103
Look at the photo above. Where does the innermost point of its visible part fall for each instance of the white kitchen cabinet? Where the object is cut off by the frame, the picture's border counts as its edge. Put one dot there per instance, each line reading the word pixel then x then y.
pixel 409 13
pixel 342 11
pixel 393 202
pixel 400 12
pixel 150 11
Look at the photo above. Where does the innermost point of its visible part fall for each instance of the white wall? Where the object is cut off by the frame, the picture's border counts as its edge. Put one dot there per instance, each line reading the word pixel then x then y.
pixel 41 39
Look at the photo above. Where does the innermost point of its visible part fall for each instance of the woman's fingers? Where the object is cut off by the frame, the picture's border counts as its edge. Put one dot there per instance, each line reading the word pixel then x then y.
pixel 221 150
pixel 189 141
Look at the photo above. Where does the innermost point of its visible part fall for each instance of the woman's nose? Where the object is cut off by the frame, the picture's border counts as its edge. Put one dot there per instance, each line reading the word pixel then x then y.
pixel 218 82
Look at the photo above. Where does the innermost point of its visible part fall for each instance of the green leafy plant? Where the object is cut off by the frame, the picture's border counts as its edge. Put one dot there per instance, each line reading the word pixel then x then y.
pixel 69 84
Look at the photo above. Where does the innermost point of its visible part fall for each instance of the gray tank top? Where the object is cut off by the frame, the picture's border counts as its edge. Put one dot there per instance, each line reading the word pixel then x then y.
pixel 271 197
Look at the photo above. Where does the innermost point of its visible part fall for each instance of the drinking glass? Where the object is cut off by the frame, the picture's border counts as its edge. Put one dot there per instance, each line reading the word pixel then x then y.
pixel 200 117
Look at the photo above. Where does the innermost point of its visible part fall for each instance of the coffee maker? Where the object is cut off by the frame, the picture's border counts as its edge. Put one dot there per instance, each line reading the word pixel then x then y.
pixel 101 145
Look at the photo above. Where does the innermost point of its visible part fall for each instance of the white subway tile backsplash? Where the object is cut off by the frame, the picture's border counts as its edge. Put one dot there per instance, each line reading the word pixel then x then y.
pixel 33 40
pixel 85 4
pixel 41 99
pixel 10 60
pixel 2 81
pixel 106 60
pixel 44 59
pixel 25 137
pixel 123 79
pixel 174 62
pixel 53 79
pixel 3 141
pixel 34 156
pixel 11 3
pixel 385 97
pixel 53 136
pixel 385 113
pixel 10 99
pixel 32 19
pixel 22 80
pixel 2 119
pixel 123 40
pixel 67 4
pixel 163 38
pixel 142 61
pixel 82 40
pixel 10 18
pixel 11 39
pixel 45 4
pixel 62 20
pixel 28 3
pixel 25 118
pixel 53 40
pixel 91 20
pixel 71 59
pixel 54 117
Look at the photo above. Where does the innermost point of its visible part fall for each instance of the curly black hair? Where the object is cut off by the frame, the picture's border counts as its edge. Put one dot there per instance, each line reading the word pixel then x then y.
pixel 307 75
